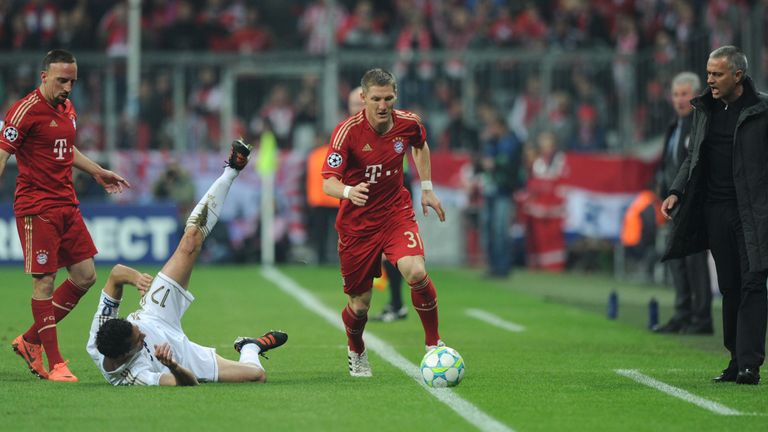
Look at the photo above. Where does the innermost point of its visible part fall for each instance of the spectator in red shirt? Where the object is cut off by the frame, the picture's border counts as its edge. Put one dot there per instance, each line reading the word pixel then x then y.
pixel 253 36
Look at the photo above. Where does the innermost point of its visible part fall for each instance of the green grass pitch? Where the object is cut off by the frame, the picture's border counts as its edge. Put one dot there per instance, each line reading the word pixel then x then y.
pixel 556 375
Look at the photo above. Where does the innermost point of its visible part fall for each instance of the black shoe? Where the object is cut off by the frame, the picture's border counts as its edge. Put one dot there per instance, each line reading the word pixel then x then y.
pixel 748 376
pixel 389 314
pixel 670 327
pixel 271 339
pixel 728 375
pixel 238 156
pixel 695 329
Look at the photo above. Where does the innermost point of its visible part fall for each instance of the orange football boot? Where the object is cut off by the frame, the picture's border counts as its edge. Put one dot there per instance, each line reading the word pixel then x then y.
pixel 61 372
pixel 32 355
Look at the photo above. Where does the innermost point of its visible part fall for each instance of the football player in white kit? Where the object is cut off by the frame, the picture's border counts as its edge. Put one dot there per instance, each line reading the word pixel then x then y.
pixel 150 347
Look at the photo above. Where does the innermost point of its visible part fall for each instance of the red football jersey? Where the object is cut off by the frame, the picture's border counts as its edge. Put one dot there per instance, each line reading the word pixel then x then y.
pixel 43 138
pixel 357 153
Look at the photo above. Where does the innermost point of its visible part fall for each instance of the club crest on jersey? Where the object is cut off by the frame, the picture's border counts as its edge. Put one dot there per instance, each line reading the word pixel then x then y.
pixel 41 256
pixel 399 145
pixel 10 133
pixel 334 160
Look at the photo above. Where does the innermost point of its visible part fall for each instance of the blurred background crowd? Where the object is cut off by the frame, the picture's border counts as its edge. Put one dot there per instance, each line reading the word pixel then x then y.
pixel 550 76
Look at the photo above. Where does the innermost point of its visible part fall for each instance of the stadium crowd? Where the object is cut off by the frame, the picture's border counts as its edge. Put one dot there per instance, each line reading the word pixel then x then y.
pixel 576 113
pixel 663 30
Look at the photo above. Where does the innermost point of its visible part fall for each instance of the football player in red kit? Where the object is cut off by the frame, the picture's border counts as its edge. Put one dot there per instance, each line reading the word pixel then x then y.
pixel 40 130
pixel 364 168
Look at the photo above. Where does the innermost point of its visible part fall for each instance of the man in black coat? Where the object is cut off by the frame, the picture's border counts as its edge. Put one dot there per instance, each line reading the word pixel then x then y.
pixel 690 274
pixel 719 200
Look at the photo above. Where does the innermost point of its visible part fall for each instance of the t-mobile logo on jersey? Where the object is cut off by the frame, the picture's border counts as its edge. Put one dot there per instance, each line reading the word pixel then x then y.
pixel 372 172
pixel 60 147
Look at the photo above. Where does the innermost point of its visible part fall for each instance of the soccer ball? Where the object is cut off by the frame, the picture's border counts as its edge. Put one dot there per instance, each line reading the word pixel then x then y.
pixel 442 367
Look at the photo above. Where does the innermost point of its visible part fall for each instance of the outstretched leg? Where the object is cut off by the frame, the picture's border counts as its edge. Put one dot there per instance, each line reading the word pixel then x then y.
pixel 204 216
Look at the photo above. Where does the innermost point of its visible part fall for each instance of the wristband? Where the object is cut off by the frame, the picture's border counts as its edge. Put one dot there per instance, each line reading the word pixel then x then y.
pixel 345 194
pixel 426 185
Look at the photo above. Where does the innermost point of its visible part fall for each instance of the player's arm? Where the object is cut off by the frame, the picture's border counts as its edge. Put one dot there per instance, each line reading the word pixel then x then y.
pixel 424 167
pixel 179 376
pixel 4 155
pixel 110 181
pixel 358 193
pixel 121 275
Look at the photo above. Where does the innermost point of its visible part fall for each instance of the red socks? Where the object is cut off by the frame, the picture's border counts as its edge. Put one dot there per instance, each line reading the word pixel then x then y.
pixel 354 326
pixel 424 298
pixel 65 298
pixel 45 323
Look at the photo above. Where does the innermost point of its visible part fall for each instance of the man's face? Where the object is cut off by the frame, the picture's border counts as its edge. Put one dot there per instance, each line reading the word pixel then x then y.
pixel 722 80
pixel 137 340
pixel 379 102
pixel 58 81
pixel 681 99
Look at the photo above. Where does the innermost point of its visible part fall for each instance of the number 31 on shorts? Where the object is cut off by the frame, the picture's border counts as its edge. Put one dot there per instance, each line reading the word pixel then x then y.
pixel 413 240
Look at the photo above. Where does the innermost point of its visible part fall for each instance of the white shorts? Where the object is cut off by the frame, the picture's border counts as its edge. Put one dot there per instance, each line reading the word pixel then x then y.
pixel 160 319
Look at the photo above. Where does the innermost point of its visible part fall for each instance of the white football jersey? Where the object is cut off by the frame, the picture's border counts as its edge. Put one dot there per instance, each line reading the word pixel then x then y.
pixel 142 369
pixel 159 318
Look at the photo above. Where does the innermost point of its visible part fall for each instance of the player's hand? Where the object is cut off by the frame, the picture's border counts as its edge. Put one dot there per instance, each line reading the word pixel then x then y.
pixel 359 194
pixel 142 283
pixel 165 356
pixel 667 205
pixel 110 181
pixel 430 199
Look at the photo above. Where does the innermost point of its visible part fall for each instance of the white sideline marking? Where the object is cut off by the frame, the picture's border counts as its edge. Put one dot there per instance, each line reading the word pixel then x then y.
pixel 678 393
pixel 494 320
pixel 465 409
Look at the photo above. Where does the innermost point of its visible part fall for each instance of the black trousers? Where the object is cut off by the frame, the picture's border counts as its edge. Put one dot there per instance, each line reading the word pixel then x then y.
pixel 322 233
pixel 745 305
pixel 693 292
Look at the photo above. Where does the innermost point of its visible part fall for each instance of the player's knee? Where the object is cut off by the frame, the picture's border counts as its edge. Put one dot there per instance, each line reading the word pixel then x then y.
pixel 359 309
pixel 84 278
pixel 359 305
pixel 416 274
pixel 256 374
pixel 86 281
pixel 42 285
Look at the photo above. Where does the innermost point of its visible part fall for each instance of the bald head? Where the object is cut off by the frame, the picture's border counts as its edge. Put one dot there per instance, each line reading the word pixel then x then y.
pixel 355 101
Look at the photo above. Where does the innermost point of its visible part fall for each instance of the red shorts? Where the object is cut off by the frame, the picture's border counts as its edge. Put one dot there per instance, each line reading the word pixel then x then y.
pixel 53 239
pixel 360 256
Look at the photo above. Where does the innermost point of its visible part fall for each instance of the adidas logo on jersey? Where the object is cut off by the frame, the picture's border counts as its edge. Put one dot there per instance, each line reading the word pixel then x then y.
pixel 53 124
pixel 367 147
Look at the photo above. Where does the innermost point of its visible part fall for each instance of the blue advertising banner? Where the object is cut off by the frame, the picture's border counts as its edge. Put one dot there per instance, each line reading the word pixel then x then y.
pixel 129 234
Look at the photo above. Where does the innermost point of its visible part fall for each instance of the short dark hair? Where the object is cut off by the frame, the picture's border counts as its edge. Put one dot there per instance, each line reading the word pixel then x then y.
pixel 379 78
pixel 737 60
pixel 114 337
pixel 57 56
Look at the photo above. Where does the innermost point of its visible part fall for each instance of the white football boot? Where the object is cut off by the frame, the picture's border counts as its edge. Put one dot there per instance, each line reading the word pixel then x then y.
pixel 358 364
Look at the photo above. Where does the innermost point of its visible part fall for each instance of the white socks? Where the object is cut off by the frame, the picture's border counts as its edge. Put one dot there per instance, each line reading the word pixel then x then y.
pixel 206 212
pixel 249 353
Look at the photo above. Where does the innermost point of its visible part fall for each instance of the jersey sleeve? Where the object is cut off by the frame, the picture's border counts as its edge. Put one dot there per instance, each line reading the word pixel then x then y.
pixel 106 310
pixel 140 373
pixel 16 125
pixel 420 133
pixel 336 158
